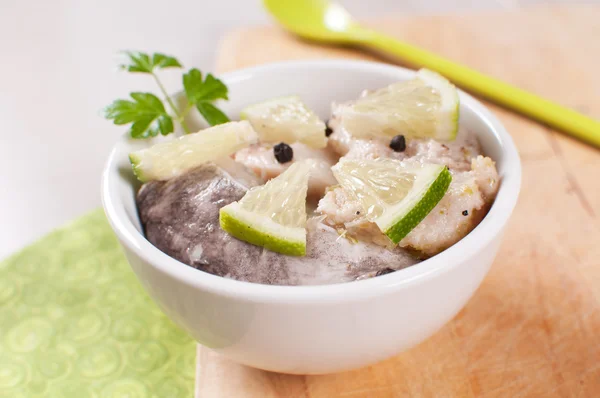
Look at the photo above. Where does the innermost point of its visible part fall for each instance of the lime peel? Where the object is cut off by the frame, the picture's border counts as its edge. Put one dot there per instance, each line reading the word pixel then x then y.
pixel 408 221
pixel 447 127
pixel 273 215
pixel 260 231
pixel 395 195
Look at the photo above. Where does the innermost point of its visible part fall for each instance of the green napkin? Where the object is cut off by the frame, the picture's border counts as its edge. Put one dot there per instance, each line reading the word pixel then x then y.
pixel 74 322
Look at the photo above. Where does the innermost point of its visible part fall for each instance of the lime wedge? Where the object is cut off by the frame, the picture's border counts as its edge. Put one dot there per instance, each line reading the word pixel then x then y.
pixel 394 195
pixel 286 119
pixel 424 107
pixel 273 215
pixel 170 159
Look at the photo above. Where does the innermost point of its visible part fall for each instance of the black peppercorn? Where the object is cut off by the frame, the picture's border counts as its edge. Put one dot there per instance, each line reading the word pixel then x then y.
pixel 384 271
pixel 398 143
pixel 465 212
pixel 283 152
pixel 328 129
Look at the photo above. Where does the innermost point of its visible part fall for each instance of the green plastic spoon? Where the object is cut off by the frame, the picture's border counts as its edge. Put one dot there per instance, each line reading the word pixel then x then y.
pixel 323 21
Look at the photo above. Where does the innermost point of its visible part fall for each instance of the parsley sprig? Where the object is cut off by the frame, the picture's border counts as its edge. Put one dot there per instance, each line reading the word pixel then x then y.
pixel 147 113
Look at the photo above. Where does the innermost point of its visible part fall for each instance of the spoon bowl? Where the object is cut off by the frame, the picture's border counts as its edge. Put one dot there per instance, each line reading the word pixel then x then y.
pixel 318 20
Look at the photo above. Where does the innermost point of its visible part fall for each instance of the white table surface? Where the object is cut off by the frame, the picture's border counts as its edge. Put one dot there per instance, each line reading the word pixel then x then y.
pixel 57 71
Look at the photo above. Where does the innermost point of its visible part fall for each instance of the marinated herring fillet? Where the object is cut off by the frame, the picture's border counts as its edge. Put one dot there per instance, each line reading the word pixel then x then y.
pixel 455 154
pixel 260 159
pixel 181 218
pixel 463 206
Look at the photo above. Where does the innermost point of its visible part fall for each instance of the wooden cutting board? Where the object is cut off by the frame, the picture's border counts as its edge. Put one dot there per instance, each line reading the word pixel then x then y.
pixel 533 328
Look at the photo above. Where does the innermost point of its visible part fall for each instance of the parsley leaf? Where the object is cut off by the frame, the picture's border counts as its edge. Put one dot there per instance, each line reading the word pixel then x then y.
pixel 211 113
pixel 165 61
pixel 209 89
pixel 145 63
pixel 146 113
pixel 201 92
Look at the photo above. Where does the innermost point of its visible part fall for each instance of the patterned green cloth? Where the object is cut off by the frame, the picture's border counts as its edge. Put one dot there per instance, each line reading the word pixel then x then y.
pixel 74 322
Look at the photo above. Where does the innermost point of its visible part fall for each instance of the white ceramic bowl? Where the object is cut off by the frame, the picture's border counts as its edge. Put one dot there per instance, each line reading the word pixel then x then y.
pixel 317 329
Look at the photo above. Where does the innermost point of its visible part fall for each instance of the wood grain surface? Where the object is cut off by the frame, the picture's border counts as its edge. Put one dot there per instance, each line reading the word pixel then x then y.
pixel 533 328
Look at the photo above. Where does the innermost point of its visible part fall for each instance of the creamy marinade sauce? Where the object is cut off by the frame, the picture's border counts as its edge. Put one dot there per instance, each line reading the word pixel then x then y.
pixel 181 215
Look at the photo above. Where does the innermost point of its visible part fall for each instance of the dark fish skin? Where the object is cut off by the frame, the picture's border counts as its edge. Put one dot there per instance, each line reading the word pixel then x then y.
pixel 181 218
pixel 182 213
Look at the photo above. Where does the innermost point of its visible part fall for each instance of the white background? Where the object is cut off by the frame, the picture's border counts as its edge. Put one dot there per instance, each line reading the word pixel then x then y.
pixel 57 70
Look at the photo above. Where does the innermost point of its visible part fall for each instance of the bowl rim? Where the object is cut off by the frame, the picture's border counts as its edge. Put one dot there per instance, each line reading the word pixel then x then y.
pixel 489 228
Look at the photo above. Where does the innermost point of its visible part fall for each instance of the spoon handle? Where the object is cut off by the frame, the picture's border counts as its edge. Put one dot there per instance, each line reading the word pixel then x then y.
pixel 543 110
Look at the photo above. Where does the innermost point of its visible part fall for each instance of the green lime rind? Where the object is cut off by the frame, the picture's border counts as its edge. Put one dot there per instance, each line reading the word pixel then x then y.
pixel 448 126
pixel 233 225
pixel 244 114
pixel 456 116
pixel 454 120
pixel 406 223
pixel 136 162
